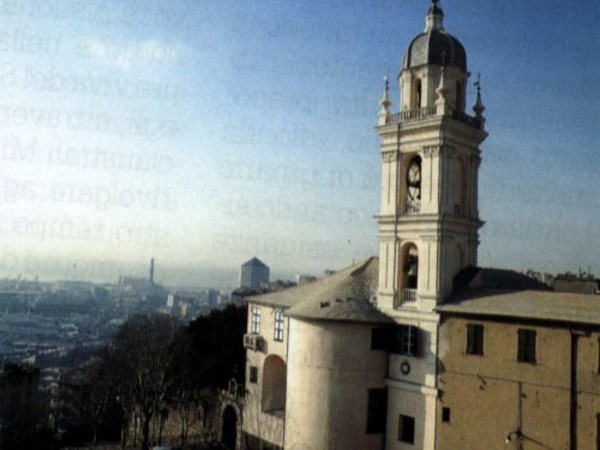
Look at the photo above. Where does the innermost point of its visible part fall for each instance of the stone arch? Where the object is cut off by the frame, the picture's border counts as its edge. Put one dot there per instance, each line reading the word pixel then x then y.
pixel 229 422
pixel 459 105
pixel 408 282
pixel 273 384
pixel 229 428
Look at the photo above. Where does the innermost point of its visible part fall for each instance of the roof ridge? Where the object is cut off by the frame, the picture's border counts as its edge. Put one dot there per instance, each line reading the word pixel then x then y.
pixel 362 266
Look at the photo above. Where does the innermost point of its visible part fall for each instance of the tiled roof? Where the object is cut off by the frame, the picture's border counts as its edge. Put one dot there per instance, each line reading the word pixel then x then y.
pixel 509 294
pixel 488 278
pixel 435 47
pixel 345 296
pixel 537 305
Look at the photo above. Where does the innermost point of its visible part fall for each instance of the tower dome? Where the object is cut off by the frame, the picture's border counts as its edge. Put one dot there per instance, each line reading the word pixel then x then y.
pixel 434 45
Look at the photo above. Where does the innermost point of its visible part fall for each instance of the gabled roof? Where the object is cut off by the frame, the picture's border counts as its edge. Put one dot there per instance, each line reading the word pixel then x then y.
pixel 507 294
pixel 490 278
pixel 345 296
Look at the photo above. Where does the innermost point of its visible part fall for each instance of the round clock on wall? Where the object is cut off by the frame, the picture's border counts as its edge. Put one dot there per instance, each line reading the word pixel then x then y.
pixel 413 179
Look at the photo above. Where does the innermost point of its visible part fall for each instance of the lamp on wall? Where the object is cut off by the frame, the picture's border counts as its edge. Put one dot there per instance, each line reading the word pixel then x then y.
pixel 513 434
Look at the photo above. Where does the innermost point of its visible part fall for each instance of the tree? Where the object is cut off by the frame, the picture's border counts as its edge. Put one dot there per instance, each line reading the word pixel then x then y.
pixel 139 362
pixel 207 354
pixel 218 346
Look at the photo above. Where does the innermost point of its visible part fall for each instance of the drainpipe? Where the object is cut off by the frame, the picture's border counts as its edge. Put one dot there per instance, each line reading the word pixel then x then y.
pixel 287 367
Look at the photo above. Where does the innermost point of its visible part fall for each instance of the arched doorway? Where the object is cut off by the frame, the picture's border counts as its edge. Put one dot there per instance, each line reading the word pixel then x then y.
pixel 229 435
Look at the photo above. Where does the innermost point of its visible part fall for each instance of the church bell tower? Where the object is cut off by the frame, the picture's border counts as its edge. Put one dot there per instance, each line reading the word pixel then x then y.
pixel 429 220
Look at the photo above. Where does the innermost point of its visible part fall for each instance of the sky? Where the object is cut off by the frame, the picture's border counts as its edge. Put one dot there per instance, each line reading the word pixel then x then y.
pixel 203 133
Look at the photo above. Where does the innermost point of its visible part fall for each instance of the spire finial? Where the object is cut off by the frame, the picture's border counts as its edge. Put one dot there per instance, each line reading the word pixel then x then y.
pixel 479 108
pixel 385 102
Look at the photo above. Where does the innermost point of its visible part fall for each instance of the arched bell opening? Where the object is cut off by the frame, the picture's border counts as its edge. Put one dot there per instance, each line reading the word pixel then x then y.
pixel 416 94
pixel 409 276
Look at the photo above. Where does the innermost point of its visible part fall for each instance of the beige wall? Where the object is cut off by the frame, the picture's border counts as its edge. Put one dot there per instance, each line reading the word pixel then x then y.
pixel 331 368
pixel 588 386
pixel 482 392
pixel 266 425
pixel 414 401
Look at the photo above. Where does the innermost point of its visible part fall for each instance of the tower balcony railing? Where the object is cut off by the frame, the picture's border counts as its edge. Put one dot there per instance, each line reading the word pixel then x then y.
pixel 413 114
pixel 428 111
pixel 412 206
pixel 409 295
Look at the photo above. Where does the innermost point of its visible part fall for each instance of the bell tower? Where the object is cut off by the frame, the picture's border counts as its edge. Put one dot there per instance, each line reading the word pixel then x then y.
pixel 429 220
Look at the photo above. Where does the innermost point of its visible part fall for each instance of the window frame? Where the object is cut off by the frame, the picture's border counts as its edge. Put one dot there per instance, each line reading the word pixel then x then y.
pixel 255 320
pixel 278 326
pixel 406 340
pixel 527 345
pixel 475 339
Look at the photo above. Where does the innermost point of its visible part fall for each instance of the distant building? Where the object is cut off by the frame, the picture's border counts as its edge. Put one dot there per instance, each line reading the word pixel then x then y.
pixel 254 274
pixel 577 284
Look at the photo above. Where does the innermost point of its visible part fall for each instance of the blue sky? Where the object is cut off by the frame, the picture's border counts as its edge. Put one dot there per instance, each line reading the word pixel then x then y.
pixel 205 133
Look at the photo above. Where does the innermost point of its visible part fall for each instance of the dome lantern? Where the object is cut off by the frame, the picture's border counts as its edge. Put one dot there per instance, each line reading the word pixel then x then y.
pixel 434 20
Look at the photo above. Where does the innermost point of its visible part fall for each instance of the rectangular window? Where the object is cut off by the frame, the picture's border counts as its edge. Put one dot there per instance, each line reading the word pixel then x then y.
pixel 253 374
pixel 446 414
pixel 255 324
pixel 526 346
pixel 405 340
pixel 474 339
pixel 377 411
pixel 379 338
pixel 406 429
pixel 278 333
pixel 597 431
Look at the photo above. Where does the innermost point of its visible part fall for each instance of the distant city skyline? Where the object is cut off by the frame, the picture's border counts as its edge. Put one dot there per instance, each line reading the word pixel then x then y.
pixel 206 133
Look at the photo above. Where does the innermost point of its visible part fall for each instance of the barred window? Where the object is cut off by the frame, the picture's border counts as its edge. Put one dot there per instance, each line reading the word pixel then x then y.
pixel 278 332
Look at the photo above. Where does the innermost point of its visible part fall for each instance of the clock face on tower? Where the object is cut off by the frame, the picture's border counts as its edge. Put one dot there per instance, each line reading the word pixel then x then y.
pixel 413 179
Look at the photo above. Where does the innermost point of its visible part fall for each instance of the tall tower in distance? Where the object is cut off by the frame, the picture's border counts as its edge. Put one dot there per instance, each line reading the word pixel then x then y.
pixel 151 278
pixel 254 274
pixel 429 220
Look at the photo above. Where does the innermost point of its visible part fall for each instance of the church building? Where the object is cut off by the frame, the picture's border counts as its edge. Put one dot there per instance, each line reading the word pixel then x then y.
pixel 419 348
